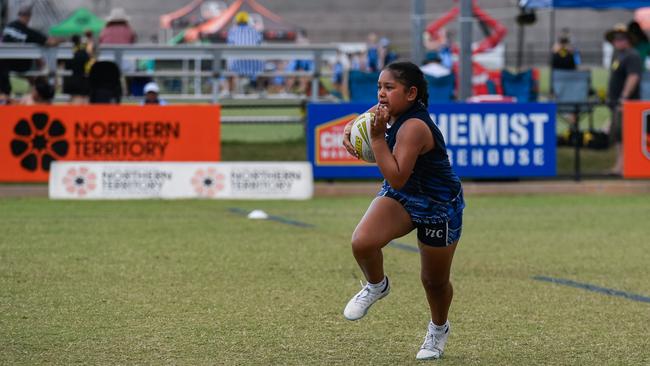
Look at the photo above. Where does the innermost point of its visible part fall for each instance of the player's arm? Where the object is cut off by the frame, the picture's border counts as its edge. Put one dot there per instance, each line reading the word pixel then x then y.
pixel 413 138
pixel 347 130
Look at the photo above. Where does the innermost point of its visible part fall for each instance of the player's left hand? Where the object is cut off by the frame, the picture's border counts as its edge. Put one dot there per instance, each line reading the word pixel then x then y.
pixel 378 126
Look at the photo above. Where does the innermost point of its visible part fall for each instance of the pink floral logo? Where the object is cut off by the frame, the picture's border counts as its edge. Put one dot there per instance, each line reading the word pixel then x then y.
pixel 80 181
pixel 208 182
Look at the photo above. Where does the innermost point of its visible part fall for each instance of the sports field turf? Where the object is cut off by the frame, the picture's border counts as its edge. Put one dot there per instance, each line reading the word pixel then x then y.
pixel 194 282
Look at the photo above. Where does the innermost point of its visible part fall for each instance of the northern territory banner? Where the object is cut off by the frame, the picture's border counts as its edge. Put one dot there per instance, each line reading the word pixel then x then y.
pixel 32 137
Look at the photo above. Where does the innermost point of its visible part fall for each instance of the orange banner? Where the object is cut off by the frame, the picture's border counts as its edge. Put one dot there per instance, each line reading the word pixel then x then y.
pixel 636 140
pixel 31 137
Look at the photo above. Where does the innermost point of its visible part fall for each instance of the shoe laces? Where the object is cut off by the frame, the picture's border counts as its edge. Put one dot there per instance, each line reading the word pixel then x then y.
pixel 363 297
pixel 431 341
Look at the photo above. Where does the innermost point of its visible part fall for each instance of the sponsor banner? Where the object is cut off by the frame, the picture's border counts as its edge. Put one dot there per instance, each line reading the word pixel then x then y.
pixel 32 137
pixel 488 140
pixel 636 140
pixel 136 180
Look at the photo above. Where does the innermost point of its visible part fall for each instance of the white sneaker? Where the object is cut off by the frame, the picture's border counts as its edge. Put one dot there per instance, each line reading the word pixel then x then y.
pixel 434 343
pixel 358 306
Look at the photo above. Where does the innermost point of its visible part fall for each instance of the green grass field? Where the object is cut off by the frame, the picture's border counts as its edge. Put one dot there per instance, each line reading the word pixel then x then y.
pixel 192 283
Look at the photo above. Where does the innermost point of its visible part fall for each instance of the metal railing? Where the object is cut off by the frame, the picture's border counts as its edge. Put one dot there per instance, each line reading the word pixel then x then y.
pixel 215 55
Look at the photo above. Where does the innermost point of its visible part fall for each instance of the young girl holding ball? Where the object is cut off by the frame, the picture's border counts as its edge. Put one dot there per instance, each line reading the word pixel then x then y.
pixel 420 191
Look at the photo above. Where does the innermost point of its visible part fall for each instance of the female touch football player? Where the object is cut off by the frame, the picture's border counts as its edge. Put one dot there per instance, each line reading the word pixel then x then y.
pixel 420 191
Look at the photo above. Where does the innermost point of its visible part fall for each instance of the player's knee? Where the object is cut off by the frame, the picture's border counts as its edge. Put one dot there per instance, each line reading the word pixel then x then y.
pixel 362 242
pixel 435 285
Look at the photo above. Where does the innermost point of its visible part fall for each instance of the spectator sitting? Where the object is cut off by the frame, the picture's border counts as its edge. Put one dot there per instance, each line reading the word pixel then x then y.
pixel 386 55
pixel 41 93
pixel 563 57
pixel 151 95
pixel 433 66
pixel 118 31
pixel 19 32
pixel 243 34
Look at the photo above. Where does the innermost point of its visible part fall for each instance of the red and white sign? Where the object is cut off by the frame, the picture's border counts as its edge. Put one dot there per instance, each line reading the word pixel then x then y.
pixel 138 180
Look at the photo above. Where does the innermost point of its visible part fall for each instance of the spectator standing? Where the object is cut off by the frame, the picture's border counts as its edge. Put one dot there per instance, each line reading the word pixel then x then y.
pixel 243 34
pixel 639 40
pixel 19 31
pixel 372 48
pixel 77 84
pixel 624 77
pixel 386 54
pixel 118 31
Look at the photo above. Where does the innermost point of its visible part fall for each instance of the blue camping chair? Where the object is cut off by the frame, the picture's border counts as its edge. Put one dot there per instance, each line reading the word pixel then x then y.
pixel 441 89
pixel 363 86
pixel 571 86
pixel 521 86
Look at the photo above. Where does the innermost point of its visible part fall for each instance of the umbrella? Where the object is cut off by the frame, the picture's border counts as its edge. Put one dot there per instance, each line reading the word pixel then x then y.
pixel 77 23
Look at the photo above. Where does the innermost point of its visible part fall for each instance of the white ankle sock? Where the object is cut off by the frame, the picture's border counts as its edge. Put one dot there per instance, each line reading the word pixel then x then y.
pixel 378 286
pixel 439 328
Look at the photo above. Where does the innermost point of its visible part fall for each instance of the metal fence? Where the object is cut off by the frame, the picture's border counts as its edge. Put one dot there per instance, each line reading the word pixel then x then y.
pixel 215 56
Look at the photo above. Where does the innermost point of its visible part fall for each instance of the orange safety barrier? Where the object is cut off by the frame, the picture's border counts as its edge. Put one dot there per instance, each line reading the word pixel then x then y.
pixel 636 140
pixel 31 137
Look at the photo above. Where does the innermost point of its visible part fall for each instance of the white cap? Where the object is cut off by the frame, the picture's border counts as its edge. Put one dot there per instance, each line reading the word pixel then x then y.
pixel 151 87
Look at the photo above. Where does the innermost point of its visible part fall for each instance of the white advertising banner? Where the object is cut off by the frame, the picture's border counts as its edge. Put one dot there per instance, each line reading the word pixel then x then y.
pixel 138 180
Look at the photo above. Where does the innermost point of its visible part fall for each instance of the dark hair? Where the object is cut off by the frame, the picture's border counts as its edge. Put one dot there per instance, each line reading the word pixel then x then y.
pixel 410 75
pixel 44 89
pixel 76 40
pixel 636 33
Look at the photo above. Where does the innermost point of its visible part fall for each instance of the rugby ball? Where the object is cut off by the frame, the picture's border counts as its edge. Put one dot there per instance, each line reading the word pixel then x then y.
pixel 360 136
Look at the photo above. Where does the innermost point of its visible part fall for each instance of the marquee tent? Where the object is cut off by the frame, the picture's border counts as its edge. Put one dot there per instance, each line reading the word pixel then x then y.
pixel 77 23
pixel 272 26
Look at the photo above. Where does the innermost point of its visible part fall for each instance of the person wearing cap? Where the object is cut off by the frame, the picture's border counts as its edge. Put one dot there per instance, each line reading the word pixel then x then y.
pixel 243 34
pixel 152 95
pixel 19 31
pixel 433 66
pixel 563 57
pixel 624 78
pixel 117 30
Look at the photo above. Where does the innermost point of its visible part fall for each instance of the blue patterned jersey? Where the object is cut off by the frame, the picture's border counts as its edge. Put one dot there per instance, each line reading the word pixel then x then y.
pixel 432 174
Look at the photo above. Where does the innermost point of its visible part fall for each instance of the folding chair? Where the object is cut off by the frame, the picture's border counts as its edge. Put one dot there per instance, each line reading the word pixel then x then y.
pixel 441 89
pixel 362 86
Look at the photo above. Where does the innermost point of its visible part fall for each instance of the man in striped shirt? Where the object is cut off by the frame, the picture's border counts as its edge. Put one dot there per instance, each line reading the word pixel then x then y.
pixel 243 34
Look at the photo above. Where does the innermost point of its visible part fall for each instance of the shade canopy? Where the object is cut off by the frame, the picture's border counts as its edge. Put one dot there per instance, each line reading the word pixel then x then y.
pixel 591 4
pixel 80 21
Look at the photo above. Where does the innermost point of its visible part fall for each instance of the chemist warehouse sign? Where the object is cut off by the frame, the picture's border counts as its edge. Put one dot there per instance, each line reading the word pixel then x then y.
pixel 483 140
pixel 31 138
